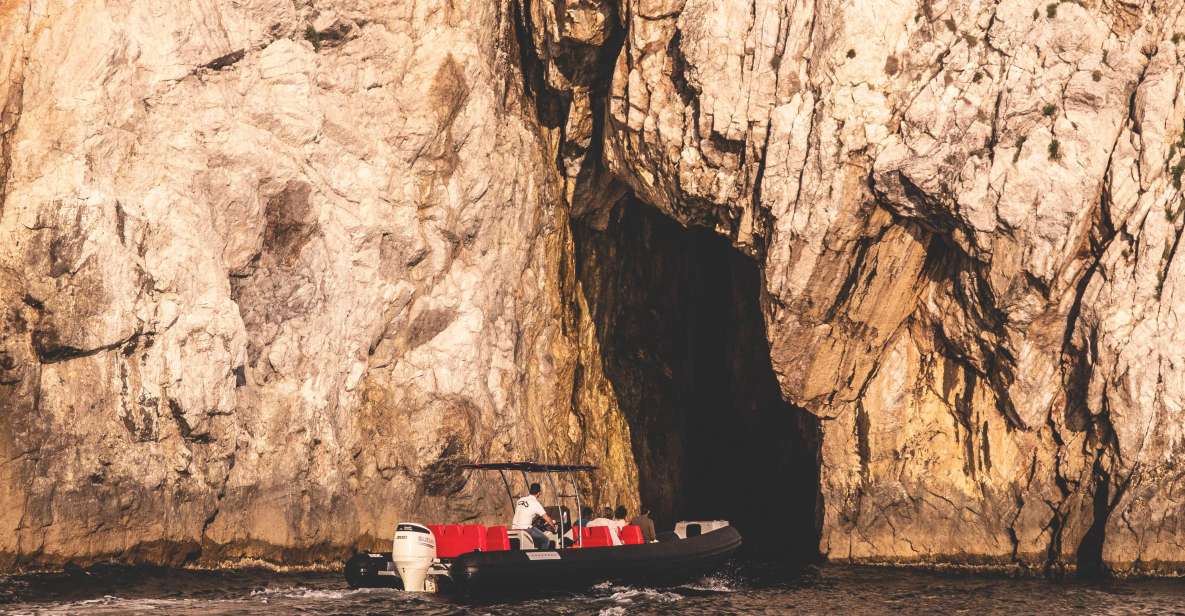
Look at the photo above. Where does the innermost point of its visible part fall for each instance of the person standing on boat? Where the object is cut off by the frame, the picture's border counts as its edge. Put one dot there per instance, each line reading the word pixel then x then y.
pixel 643 521
pixel 526 509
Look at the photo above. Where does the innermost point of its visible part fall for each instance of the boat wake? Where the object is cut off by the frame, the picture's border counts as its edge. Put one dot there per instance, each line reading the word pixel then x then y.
pixel 300 592
pixel 631 595
pixel 710 584
pixel 111 604
pixel 626 599
pixel 283 598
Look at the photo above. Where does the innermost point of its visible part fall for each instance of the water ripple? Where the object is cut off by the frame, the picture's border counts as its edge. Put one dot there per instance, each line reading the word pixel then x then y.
pixel 748 588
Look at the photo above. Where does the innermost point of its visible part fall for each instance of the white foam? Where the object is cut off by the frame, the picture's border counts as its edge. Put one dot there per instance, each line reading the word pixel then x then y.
pixel 711 583
pixel 108 604
pixel 114 605
pixel 629 595
pixel 301 592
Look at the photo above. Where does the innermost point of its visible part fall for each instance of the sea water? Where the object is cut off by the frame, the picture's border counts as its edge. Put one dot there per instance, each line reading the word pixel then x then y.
pixel 740 588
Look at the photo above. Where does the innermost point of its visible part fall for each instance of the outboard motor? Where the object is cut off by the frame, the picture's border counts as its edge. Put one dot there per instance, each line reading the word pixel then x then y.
pixel 413 552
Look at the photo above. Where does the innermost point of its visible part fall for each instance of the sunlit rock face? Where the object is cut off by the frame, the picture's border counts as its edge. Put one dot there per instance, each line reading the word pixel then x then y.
pixel 967 216
pixel 270 271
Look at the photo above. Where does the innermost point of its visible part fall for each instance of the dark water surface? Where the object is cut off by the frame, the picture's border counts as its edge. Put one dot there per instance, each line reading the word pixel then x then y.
pixel 749 589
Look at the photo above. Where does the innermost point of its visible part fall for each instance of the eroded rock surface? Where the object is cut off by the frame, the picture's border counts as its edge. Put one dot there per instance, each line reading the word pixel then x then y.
pixel 271 271
pixel 967 215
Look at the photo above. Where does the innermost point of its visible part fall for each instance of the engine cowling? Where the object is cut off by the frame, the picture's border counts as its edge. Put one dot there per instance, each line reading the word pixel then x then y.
pixel 413 551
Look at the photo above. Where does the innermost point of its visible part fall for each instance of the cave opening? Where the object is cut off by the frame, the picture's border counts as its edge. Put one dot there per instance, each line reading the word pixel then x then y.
pixel 683 343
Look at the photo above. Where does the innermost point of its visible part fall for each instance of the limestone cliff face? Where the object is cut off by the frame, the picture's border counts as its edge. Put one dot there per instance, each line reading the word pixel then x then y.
pixel 967 215
pixel 271 270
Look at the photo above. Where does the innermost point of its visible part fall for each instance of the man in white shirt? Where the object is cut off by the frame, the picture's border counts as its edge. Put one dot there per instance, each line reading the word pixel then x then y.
pixel 613 527
pixel 525 511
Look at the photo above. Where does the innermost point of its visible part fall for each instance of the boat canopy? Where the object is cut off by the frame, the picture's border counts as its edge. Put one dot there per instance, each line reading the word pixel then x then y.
pixel 535 467
pixel 531 467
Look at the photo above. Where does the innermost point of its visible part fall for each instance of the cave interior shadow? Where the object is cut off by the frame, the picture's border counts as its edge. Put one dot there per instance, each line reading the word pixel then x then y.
pixel 683 343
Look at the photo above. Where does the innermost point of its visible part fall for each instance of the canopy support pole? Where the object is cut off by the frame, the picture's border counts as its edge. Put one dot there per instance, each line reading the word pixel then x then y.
pixel 560 504
pixel 509 494
pixel 577 535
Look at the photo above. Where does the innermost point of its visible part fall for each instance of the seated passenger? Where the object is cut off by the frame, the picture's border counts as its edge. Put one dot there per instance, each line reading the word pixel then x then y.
pixel 643 521
pixel 611 523
pixel 572 533
pixel 526 509
pixel 585 516
pixel 619 521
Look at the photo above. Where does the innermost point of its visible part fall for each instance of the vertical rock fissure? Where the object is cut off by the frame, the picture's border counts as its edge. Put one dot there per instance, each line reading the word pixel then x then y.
pixel 551 107
pixel 1090 550
pixel 683 343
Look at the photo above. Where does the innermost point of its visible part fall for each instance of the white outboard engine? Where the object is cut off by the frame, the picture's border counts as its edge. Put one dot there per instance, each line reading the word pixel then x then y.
pixel 413 552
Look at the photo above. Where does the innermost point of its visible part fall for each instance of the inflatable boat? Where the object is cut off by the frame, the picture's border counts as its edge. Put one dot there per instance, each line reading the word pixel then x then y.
pixel 472 560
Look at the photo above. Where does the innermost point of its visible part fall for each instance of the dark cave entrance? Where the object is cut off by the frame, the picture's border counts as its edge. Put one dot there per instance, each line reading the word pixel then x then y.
pixel 683 343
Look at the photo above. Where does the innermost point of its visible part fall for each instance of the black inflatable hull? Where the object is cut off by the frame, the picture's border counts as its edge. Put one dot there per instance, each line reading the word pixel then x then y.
pixel 517 572
pixel 649 564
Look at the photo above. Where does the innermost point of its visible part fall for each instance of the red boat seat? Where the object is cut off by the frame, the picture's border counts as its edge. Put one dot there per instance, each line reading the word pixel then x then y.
pixel 596 537
pixel 497 539
pixel 473 537
pixel 453 540
pixel 631 535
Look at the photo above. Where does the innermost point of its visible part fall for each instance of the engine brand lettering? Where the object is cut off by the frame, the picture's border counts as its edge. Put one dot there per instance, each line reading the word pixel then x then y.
pixel 543 555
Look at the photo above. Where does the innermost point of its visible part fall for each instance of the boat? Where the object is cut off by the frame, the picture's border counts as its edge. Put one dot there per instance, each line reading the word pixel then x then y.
pixel 473 560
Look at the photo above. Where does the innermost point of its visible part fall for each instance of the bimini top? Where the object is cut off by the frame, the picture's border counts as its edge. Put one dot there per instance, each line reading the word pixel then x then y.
pixel 531 467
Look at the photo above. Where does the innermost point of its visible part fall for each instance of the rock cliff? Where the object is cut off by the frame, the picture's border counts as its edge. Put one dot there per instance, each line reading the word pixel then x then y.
pixel 272 270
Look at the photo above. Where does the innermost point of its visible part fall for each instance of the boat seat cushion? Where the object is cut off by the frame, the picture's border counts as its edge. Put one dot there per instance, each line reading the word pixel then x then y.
pixel 596 537
pixel 453 540
pixel 631 535
pixel 497 539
